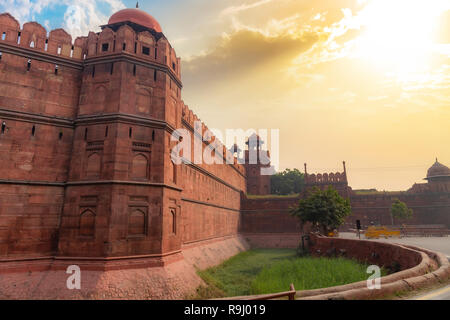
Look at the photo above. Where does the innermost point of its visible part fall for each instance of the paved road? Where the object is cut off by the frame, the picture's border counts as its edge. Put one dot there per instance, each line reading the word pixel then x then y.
pixel 439 294
pixel 441 244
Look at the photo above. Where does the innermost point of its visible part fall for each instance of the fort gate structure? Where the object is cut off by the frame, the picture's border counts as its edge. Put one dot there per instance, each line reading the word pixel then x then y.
pixel 86 176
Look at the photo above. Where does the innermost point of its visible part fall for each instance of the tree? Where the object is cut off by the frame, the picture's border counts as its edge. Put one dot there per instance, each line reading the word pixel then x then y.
pixel 400 210
pixel 287 182
pixel 324 209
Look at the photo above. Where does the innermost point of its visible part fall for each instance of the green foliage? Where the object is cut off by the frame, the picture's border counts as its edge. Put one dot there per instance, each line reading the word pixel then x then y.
pixel 309 273
pixel 287 182
pixel 325 209
pixel 273 270
pixel 235 275
pixel 400 210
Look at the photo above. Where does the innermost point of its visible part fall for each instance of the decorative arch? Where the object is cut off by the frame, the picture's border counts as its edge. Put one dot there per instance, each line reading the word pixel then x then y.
pixel 139 167
pixel 137 222
pixel 93 166
pixel 87 223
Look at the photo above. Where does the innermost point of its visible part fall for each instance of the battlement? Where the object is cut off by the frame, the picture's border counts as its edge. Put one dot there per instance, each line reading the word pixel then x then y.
pixel 143 45
pixel 326 178
pixel 33 36
pixel 189 118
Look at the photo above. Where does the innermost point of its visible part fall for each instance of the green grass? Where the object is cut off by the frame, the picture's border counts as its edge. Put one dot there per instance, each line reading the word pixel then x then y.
pixel 272 270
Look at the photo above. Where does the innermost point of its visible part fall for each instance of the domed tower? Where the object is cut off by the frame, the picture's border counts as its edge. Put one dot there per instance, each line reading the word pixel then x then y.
pixel 257 164
pixel 438 173
pixel 122 197
pixel 438 177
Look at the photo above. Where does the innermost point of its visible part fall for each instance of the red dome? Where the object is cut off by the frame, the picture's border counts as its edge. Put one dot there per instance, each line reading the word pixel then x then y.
pixel 136 16
pixel 438 170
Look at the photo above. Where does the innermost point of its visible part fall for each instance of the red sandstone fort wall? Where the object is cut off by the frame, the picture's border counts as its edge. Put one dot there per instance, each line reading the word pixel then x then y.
pixel 39 86
pixel 428 208
pixel 85 166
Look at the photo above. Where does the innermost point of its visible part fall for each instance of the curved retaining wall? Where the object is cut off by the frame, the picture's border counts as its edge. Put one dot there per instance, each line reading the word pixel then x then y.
pixel 418 267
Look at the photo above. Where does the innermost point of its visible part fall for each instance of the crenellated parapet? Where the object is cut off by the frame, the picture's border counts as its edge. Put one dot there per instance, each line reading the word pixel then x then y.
pixel 142 44
pixel 337 180
pixel 34 37
pixel 189 118
pixel 326 178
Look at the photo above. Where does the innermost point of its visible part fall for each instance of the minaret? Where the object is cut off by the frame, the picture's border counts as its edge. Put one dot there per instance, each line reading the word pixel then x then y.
pixel 306 174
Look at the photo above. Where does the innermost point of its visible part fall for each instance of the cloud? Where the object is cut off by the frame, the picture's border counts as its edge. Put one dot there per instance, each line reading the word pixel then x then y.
pixel 243 7
pixel 239 54
pixel 80 17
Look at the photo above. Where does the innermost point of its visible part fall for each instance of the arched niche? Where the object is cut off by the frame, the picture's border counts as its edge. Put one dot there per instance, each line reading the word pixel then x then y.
pixel 139 167
pixel 87 223
pixel 137 222
pixel 93 166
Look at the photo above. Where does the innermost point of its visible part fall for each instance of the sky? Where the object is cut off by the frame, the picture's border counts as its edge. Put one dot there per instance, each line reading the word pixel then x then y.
pixel 365 81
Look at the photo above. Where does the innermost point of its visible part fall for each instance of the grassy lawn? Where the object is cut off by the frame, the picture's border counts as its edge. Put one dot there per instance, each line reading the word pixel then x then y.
pixel 272 270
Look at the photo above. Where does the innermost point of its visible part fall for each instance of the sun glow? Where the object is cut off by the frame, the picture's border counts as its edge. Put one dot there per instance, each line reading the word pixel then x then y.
pixel 398 35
